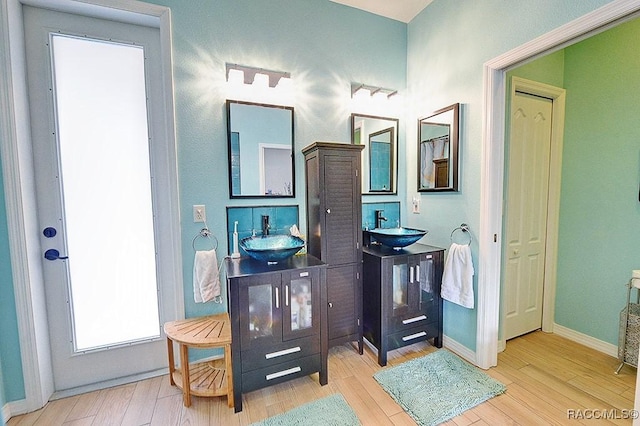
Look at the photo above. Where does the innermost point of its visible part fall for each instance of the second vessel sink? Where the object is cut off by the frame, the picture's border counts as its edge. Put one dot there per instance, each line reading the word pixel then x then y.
pixel 272 248
pixel 397 237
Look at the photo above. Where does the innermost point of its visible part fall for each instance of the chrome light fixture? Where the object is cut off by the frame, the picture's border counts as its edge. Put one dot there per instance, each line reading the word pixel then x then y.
pixel 360 89
pixel 249 74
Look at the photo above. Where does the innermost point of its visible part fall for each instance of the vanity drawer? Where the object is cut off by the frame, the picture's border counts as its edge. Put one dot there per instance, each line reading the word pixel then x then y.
pixel 409 321
pixel 412 335
pixel 279 373
pixel 282 352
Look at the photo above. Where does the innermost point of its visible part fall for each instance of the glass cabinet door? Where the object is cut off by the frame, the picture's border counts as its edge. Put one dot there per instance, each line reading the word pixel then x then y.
pixel 260 310
pixel 301 304
pixel 426 279
pixel 399 290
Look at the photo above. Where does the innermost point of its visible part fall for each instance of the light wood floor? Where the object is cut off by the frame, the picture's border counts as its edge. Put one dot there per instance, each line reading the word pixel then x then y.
pixel 546 377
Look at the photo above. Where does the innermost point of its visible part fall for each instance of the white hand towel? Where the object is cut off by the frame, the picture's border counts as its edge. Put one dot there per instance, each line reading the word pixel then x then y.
pixel 457 278
pixel 206 279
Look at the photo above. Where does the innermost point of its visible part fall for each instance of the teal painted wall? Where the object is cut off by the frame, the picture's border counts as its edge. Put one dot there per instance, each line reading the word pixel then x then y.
pixel 325 46
pixel 3 399
pixel 11 379
pixel 599 209
pixel 448 43
pixel 549 70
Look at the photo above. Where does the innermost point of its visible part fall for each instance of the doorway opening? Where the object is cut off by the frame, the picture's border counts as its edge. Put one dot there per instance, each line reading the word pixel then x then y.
pixel 492 166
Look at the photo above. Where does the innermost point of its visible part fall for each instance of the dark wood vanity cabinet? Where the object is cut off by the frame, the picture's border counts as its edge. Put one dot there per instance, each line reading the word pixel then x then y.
pixel 278 321
pixel 401 296
pixel 334 232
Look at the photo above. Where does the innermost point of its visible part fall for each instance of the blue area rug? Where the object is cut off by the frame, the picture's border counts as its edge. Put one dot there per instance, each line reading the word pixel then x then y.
pixel 437 387
pixel 329 411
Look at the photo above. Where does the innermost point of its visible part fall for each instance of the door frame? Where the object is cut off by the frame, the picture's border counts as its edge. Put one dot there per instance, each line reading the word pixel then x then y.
pixel 492 159
pixel 19 186
pixel 558 99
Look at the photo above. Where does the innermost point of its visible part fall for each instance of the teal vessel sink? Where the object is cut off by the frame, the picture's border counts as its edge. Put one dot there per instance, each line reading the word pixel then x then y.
pixel 397 237
pixel 272 248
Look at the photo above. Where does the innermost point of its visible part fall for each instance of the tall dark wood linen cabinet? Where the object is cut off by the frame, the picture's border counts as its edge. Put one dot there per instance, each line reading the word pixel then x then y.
pixel 334 232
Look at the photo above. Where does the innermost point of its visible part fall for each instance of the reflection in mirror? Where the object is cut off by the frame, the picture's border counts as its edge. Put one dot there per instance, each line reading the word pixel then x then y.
pixel 438 150
pixel 261 161
pixel 379 135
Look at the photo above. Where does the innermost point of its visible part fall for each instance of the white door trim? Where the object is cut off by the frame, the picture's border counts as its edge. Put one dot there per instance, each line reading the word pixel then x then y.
pixel 18 176
pixel 492 167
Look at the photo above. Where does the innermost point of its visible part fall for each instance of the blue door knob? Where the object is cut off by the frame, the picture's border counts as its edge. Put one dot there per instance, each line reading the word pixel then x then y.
pixel 53 254
pixel 49 232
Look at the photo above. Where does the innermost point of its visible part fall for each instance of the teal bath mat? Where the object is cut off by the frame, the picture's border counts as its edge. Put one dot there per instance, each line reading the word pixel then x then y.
pixel 330 411
pixel 436 387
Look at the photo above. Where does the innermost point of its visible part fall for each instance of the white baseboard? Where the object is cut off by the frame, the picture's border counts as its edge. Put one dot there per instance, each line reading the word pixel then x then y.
pixel 107 384
pixel 459 349
pixel 502 345
pixel 14 408
pixel 585 340
pixel 575 336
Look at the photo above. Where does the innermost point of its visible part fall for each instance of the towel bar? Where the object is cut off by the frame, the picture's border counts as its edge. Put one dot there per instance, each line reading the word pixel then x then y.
pixel 465 229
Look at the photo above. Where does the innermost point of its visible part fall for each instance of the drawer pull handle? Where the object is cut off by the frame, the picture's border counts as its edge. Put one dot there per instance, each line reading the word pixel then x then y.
pixel 414 319
pixel 304 274
pixel 283 373
pixel 414 336
pixel 282 352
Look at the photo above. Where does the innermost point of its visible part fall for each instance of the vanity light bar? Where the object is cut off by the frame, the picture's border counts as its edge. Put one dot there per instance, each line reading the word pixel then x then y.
pixel 251 72
pixel 359 88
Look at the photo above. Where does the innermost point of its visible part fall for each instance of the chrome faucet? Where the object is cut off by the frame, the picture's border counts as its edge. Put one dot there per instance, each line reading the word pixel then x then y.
pixel 379 218
pixel 265 225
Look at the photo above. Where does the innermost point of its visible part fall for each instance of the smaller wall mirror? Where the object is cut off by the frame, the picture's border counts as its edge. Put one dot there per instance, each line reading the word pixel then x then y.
pixel 379 135
pixel 438 150
pixel 261 161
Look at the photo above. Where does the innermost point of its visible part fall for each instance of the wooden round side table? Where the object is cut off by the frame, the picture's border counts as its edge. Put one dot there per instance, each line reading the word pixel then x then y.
pixel 206 378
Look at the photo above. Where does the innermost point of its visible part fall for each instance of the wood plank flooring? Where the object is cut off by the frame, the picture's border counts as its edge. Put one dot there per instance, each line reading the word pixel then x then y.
pixel 550 381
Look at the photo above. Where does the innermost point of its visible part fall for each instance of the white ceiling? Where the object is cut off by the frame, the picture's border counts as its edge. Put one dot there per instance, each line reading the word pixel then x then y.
pixel 400 10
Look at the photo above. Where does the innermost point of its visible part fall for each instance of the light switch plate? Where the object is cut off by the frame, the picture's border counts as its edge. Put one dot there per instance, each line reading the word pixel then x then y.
pixel 199 213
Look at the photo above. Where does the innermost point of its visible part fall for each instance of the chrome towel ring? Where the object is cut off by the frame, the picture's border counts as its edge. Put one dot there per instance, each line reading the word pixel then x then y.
pixel 205 233
pixel 464 228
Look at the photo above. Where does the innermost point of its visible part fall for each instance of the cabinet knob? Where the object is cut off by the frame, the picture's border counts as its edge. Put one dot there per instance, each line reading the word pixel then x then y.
pixel 328 211
pixel 330 305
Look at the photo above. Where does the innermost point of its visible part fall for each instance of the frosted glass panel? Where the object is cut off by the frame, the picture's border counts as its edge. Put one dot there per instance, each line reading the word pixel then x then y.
pixel 399 285
pixel 301 303
pixel 106 184
pixel 260 311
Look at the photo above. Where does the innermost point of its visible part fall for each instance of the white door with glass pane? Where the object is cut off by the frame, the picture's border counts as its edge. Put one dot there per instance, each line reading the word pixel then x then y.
pixel 94 87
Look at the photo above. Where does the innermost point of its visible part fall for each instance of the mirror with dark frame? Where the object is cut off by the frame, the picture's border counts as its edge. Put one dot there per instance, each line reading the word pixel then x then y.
pixel 438 150
pixel 379 135
pixel 260 147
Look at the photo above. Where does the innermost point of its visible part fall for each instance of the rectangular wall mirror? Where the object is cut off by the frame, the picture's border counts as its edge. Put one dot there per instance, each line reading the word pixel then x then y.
pixel 261 142
pixel 438 150
pixel 379 135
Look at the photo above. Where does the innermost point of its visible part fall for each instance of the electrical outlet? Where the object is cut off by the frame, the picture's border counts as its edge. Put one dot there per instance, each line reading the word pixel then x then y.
pixel 199 213
pixel 416 205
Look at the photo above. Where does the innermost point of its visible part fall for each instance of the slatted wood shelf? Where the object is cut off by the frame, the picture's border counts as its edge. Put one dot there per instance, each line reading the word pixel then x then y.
pixel 205 378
